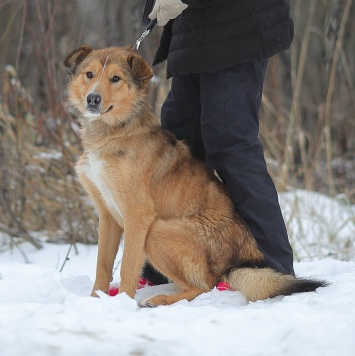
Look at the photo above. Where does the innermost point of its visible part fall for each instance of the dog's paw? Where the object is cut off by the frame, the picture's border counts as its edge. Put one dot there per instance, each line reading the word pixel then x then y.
pixel 146 303
pixel 94 294
pixel 161 299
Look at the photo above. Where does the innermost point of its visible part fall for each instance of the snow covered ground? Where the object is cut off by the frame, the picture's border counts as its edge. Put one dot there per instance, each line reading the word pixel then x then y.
pixel 45 312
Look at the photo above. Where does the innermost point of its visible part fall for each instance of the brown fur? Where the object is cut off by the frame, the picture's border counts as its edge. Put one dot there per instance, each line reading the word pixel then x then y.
pixel 173 210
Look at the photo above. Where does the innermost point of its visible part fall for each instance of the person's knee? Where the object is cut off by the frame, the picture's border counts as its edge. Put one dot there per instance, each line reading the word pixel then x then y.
pixel 239 147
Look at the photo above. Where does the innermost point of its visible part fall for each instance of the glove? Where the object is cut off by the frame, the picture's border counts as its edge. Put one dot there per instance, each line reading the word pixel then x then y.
pixel 165 10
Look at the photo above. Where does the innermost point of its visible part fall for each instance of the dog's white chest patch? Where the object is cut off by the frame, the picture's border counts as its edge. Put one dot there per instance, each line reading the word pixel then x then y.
pixel 94 171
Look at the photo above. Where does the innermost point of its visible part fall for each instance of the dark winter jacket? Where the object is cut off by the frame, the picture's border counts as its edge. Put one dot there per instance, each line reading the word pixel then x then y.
pixel 211 35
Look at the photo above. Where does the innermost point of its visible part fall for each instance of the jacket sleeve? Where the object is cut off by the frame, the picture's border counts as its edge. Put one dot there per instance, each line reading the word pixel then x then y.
pixel 190 2
pixel 163 50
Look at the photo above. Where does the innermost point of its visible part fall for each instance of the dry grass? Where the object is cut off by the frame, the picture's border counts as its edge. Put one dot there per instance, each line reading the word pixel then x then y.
pixel 308 128
pixel 39 190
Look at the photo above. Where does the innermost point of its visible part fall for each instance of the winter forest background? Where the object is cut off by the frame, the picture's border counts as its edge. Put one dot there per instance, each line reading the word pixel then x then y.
pixel 306 124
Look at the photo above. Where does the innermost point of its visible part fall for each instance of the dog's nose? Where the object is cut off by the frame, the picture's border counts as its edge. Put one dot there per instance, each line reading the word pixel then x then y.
pixel 93 100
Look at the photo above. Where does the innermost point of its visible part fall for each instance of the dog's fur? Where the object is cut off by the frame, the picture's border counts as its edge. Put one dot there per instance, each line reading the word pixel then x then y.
pixel 173 210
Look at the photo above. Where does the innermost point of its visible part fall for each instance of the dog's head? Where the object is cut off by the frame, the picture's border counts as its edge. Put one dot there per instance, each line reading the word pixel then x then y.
pixel 107 84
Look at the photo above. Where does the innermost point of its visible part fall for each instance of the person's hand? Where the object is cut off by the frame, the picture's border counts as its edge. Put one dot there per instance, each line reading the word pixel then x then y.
pixel 165 10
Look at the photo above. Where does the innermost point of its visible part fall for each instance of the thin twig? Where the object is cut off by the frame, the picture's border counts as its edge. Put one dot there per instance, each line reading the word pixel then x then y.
pixel 296 93
pixel 23 20
pixel 331 88
pixel 66 257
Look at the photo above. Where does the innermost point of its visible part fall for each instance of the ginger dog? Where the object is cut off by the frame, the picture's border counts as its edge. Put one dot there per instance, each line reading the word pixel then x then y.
pixel 173 210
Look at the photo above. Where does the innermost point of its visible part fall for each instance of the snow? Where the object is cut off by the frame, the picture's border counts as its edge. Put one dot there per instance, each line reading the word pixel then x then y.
pixel 47 312
pixel 318 225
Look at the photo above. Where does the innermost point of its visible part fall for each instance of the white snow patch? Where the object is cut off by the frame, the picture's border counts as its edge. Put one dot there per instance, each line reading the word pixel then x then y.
pixel 318 225
pixel 45 312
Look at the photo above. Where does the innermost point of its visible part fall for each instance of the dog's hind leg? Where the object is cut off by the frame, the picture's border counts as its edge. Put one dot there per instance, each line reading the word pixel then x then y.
pixel 162 299
pixel 171 248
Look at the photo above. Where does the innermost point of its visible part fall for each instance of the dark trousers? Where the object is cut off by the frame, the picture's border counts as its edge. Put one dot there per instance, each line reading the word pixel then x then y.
pixel 217 114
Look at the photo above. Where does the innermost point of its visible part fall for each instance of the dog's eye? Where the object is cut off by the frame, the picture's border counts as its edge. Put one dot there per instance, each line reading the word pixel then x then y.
pixel 115 79
pixel 89 75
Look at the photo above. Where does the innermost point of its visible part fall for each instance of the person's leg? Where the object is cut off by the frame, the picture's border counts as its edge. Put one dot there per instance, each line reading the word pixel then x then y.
pixel 230 102
pixel 181 112
pixel 180 115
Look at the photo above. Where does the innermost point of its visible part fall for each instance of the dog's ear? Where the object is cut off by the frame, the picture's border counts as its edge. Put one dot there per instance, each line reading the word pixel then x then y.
pixel 76 57
pixel 140 68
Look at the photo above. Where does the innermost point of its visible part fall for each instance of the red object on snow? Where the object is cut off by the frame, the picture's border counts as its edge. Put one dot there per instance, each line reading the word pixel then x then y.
pixel 144 283
pixel 222 286
pixel 114 289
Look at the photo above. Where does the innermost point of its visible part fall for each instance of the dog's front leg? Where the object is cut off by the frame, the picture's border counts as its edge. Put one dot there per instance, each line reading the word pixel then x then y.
pixel 134 254
pixel 110 234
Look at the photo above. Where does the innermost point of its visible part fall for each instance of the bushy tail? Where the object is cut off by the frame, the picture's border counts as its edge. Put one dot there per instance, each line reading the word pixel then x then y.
pixel 262 283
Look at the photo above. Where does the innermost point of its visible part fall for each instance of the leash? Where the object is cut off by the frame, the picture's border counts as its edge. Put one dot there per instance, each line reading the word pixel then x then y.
pixel 147 10
pixel 145 34
pixel 146 22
